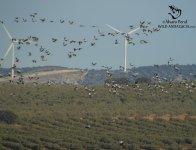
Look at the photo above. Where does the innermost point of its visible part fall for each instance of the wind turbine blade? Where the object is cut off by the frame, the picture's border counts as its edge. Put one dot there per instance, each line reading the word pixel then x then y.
pixel 117 31
pixel 133 30
pixel 9 35
pixel 9 48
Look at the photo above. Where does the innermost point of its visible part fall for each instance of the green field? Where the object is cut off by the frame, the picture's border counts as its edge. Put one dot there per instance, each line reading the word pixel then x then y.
pixel 61 117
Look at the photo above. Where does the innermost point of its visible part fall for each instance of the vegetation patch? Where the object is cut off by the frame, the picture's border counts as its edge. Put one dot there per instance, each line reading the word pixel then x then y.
pixel 61 117
pixel 8 116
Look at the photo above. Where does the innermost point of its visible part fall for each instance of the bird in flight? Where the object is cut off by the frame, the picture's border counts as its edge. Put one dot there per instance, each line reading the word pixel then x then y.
pixel 94 63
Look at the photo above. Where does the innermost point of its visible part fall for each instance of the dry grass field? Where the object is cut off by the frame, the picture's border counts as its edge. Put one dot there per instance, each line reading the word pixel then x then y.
pixel 62 117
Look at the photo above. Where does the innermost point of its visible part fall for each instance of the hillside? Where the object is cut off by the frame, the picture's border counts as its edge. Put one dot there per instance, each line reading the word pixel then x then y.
pixel 64 117
pixel 98 77
pixel 46 74
pixel 165 72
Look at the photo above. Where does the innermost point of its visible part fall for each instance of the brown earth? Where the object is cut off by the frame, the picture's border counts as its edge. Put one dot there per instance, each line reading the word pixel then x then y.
pixel 45 73
pixel 180 117
pixel 187 147
pixel 154 116
pixel 70 76
pixel 166 117
pixel 151 117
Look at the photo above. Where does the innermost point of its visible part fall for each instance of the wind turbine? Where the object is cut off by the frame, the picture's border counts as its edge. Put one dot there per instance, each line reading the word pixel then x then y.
pixel 11 47
pixel 126 41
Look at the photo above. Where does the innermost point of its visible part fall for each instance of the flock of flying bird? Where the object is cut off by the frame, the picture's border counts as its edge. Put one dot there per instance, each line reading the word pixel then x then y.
pixel 78 45
pixel 44 52
pixel 156 88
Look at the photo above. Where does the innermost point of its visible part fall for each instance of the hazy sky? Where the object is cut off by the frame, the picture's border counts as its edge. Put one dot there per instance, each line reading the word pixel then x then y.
pixel 179 44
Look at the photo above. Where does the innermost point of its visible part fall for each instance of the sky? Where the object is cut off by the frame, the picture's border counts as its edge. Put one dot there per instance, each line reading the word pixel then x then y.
pixel 177 43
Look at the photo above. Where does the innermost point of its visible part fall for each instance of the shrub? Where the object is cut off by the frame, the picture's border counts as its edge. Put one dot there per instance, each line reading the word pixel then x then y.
pixel 188 141
pixel 12 145
pixel 8 116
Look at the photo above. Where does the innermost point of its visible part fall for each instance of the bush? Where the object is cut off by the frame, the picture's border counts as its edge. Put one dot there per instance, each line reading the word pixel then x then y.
pixel 14 146
pixel 8 116
pixel 188 141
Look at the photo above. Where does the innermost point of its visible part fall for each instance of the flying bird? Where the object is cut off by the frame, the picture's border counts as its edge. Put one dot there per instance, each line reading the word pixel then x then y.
pixel 80 42
pixel 95 38
pixel 116 41
pixel 17 60
pixel 94 63
pixel 24 20
pixel 29 53
pixel 143 42
pixel 92 44
pixel 71 22
pixel 62 21
pixel 33 15
pixel 131 26
pixel 54 39
pixel 43 20
pixel 41 49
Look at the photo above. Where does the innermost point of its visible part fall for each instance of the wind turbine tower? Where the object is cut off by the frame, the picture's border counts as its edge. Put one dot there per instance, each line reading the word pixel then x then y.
pixel 126 38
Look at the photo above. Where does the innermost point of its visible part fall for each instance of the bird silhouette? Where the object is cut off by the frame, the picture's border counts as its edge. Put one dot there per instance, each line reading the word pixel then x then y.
pixel 29 53
pixel 116 41
pixel 43 20
pixel 143 42
pixel 95 38
pixel 34 61
pixel 54 40
pixel 62 21
pixel 94 63
pixel 131 26
pixel 17 60
pixel 92 44
pixel 71 22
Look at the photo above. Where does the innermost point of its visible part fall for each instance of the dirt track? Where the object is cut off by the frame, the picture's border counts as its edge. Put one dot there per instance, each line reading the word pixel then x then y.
pixel 44 73
pixel 154 116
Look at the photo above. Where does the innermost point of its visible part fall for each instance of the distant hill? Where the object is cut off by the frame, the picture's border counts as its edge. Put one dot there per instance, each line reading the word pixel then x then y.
pixel 45 74
pixel 165 72
pixel 93 77
pixel 5 71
